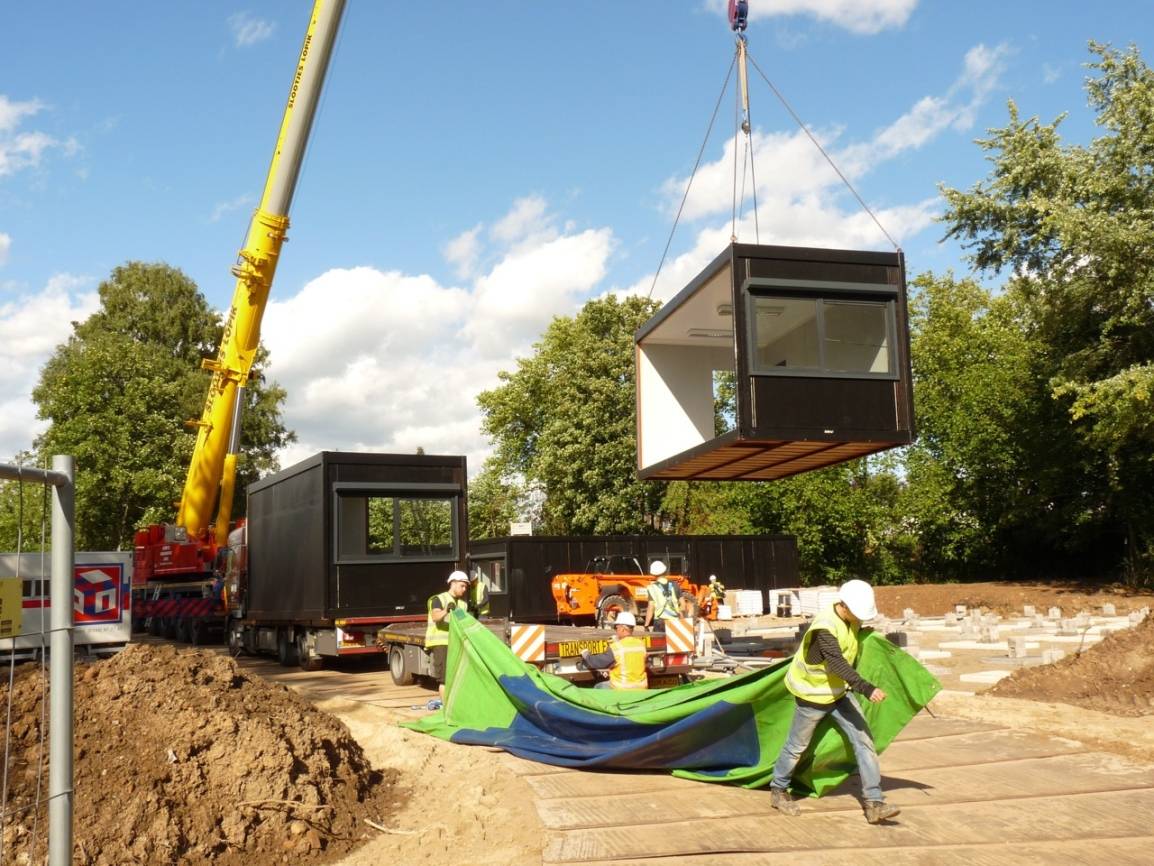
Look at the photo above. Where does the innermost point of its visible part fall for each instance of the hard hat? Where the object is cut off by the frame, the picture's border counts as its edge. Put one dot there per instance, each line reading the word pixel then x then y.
pixel 657 568
pixel 858 596
pixel 626 618
pixel 713 578
pixel 458 575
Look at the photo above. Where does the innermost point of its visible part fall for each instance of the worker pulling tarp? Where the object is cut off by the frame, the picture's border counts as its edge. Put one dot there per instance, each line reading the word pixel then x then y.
pixel 718 730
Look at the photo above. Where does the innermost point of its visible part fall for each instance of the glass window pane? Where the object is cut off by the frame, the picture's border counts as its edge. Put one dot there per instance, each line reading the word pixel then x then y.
pixel 426 526
pixel 785 333
pixel 380 525
pixel 856 337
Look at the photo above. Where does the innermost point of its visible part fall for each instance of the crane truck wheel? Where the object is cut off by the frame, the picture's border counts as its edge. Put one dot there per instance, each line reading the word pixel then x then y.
pixel 610 606
pixel 402 676
pixel 235 644
pixel 307 662
pixel 286 648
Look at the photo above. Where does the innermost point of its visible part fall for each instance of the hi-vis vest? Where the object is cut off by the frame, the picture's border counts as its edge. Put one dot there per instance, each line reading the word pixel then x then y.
pixel 479 595
pixel 629 670
pixel 664 607
pixel 437 633
pixel 814 682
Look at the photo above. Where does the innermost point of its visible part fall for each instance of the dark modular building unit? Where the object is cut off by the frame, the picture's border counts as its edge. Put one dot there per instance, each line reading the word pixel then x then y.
pixel 343 535
pixel 810 345
pixel 520 568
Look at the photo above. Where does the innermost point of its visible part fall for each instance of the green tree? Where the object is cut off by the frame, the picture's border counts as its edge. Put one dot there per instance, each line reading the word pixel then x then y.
pixel 117 396
pixel 494 503
pixel 566 421
pixel 1072 225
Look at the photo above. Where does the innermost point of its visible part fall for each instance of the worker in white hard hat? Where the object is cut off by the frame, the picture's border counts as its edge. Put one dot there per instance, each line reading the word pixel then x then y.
pixel 437 628
pixel 820 678
pixel 625 658
pixel 664 598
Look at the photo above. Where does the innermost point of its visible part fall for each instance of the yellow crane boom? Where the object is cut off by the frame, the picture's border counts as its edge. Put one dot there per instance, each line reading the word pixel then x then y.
pixel 212 470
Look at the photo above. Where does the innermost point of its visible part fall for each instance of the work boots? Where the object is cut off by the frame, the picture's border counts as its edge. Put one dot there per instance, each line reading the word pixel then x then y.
pixel 781 801
pixel 876 811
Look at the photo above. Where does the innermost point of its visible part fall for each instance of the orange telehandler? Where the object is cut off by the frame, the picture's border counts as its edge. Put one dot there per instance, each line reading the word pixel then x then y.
pixel 611 584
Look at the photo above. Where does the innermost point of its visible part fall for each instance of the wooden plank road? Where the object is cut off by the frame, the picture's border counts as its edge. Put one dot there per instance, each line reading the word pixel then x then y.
pixel 970 794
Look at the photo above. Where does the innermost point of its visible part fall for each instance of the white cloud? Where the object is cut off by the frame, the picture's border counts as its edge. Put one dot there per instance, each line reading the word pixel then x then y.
pixel 857 16
pixel 462 251
pixel 20 150
pixel 1050 73
pixel 5 247
pixel 226 207
pixel 386 361
pixel 31 327
pixel 249 30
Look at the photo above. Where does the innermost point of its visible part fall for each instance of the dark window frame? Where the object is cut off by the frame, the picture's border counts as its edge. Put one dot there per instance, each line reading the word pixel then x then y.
pixel 398 492
pixel 769 288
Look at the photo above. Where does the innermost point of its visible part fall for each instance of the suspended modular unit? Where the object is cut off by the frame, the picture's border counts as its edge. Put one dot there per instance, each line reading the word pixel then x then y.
pixel 775 361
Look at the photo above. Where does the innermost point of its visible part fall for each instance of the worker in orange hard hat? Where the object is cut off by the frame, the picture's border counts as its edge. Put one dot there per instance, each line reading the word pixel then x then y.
pixel 820 679
pixel 437 629
pixel 625 658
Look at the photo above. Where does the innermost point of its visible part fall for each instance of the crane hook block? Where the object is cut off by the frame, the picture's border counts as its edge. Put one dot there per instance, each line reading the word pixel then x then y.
pixel 738 13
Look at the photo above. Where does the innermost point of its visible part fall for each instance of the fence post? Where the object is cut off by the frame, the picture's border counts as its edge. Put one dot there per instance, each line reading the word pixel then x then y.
pixel 60 793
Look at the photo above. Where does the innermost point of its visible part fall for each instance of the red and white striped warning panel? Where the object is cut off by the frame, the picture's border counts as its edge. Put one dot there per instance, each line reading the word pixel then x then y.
pixel 679 636
pixel 528 642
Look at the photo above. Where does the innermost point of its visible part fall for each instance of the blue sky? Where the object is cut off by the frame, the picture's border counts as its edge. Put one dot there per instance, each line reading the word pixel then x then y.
pixel 478 168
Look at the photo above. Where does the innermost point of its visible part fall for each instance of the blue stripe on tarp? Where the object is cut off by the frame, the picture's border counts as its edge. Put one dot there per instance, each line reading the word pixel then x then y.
pixel 718 737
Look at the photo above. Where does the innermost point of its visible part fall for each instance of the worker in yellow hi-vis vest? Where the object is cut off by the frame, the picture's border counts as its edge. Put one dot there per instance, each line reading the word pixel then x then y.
pixel 625 658
pixel 820 678
pixel 437 629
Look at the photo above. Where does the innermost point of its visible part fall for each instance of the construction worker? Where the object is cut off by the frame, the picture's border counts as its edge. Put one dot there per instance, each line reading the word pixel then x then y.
pixel 437 630
pixel 820 678
pixel 664 598
pixel 625 658
pixel 716 589
pixel 479 594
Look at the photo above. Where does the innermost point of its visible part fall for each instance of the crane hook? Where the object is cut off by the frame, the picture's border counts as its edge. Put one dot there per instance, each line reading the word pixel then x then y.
pixel 738 14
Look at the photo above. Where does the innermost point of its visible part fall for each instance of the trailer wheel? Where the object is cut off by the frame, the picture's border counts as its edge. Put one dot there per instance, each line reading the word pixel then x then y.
pixel 307 662
pixel 153 626
pixel 402 676
pixel 286 648
pixel 235 644
pixel 612 605
pixel 195 630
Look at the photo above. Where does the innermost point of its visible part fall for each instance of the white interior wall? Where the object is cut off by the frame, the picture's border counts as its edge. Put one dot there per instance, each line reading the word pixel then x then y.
pixel 675 397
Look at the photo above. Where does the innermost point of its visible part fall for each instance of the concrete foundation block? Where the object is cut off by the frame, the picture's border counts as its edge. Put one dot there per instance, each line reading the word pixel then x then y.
pixel 1052 655
pixel 1018 647
pixel 1028 610
pixel 1108 609
pixel 1055 613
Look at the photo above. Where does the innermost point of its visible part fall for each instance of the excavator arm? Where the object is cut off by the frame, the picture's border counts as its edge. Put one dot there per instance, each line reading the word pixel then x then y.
pixel 212 470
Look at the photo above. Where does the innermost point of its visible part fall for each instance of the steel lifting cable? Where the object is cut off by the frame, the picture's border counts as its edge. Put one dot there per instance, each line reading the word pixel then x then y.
pixel 692 174
pixel 828 158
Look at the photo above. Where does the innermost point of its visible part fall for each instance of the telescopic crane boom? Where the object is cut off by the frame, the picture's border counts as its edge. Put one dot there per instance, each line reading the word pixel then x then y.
pixel 212 471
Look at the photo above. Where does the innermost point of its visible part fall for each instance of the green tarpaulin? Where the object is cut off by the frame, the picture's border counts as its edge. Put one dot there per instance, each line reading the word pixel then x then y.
pixel 716 730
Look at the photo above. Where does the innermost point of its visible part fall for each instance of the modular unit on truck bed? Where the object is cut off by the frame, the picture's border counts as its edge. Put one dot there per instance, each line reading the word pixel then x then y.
pixel 555 649
pixel 338 545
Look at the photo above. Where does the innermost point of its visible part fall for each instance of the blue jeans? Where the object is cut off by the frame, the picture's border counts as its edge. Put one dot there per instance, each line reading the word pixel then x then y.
pixel 848 717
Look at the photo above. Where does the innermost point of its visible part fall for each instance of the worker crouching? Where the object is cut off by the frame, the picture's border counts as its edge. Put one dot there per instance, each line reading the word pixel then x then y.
pixel 625 658
pixel 820 679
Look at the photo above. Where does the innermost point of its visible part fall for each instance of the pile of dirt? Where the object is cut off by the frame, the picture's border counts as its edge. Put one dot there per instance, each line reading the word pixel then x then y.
pixel 1114 676
pixel 1008 599
pixel 181 758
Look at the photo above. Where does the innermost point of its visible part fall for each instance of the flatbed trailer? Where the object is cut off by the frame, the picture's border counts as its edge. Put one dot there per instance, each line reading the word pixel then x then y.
pixel 555 649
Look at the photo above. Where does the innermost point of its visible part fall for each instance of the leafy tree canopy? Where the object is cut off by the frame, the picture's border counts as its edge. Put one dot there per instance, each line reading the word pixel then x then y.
pixel 1073 225
pixel 118 393
pixel 566 421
